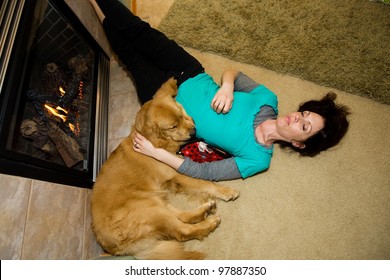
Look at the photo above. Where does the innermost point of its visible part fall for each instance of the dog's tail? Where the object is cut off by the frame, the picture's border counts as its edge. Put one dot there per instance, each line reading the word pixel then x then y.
pixel 166 250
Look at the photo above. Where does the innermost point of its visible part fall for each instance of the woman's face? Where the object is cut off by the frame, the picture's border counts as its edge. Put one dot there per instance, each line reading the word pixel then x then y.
pixel 299 126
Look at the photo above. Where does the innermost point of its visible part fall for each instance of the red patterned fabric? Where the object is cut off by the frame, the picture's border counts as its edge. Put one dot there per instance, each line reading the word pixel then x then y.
pixel 199 151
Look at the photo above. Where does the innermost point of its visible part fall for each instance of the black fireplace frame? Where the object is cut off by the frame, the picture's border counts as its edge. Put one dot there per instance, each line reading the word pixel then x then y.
pixel 26 166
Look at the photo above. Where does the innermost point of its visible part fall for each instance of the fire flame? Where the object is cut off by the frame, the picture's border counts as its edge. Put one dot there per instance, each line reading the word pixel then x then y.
pixel 62 91
pixel 56 112
pixel 80 94
pixel 75 128
pixel 62 113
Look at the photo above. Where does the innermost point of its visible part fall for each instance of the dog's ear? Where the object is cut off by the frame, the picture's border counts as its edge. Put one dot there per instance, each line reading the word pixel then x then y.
pixel 153 133
pixel 169 88
pixel 140 118
pixel 146 127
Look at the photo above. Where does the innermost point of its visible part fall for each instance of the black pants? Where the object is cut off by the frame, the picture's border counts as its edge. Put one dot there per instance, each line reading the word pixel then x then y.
pixel 148 54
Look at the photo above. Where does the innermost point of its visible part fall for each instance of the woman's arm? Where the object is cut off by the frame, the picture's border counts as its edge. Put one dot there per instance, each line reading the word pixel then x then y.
pixel 144 146
pixel 244 84
pixel 223 99
pixel 214 171
pixel 220 170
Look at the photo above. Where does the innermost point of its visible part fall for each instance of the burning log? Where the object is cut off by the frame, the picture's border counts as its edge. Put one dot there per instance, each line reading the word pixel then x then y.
pixel 60 105
pixel 80 64
pixel 36 131
pixel 66 145
pixel 53 77
pixel 71 92
pixel 42 132
pixel 38 100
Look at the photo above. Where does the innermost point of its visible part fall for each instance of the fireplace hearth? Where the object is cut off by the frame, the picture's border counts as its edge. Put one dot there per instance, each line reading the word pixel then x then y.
pixel 54 94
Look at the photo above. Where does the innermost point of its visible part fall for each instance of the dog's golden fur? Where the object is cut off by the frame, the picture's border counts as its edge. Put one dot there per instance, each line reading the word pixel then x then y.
pixel 130 209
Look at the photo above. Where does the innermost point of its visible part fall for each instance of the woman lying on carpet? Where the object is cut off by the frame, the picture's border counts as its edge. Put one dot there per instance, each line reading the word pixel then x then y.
pixel 247 128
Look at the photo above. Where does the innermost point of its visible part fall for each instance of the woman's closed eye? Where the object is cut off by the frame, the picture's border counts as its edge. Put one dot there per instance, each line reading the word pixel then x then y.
pixel 305 113
pixel 306 125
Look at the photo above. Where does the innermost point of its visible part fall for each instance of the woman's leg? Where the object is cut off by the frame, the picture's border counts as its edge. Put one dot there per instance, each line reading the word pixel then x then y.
pixel 147 76
pixel 166 54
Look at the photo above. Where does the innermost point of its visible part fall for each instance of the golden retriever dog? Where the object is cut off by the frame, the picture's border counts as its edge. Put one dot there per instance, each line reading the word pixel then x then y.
pixel 131 214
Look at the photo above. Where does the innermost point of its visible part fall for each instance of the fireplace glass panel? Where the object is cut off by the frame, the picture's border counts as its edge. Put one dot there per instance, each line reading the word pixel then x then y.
pixel 52 123
pixel 54 99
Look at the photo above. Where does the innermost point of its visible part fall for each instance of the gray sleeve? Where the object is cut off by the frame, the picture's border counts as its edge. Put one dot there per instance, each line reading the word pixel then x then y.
pixel 244 84
pixel 220 170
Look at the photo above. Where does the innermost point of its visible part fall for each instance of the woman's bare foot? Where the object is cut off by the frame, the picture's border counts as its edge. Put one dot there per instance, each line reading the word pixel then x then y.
pixel 98 11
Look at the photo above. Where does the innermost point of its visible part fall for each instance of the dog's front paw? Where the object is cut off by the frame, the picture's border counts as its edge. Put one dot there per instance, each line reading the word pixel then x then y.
pixel 233 195
pixel 229 194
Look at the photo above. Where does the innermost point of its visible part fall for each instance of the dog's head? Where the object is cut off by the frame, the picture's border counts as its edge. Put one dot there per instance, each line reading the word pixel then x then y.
pixel 163 121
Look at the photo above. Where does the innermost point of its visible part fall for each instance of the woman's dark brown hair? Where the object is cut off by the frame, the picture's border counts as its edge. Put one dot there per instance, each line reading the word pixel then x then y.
pixel 336 125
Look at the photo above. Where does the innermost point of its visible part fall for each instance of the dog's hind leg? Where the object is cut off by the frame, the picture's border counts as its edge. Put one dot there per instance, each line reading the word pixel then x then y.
pixel 199 230
pixel 170 227
pixel 194 216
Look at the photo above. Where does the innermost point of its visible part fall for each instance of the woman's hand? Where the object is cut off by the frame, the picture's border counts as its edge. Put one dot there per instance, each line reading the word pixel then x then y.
pixel 223 100
pixel 143 145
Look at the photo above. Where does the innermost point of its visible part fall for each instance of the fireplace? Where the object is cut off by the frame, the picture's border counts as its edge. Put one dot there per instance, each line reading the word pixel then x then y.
pixel 54 94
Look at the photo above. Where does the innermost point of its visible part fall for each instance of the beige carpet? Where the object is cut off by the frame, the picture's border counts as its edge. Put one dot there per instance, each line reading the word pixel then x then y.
pixel 342 44
pixel 334 206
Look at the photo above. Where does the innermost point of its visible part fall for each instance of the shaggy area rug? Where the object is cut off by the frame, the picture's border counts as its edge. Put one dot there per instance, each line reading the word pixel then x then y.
pixel 340 44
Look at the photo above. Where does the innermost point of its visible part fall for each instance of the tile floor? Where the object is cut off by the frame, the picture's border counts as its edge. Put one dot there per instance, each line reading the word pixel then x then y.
pixel 41 220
